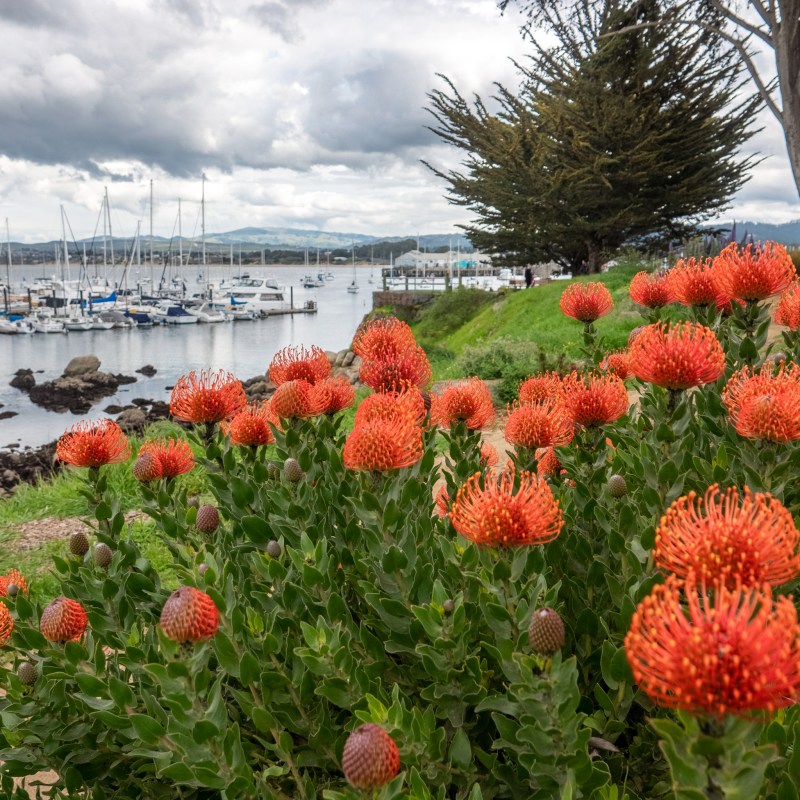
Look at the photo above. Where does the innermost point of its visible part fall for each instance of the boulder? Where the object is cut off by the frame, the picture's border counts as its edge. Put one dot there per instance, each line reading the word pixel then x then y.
pixel 148 370
pixel 132 420
pixel 82 365
pixel 349 356
pixel 23 379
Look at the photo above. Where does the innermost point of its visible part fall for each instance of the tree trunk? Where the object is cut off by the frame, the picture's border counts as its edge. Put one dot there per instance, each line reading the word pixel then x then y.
pixel 593 259
pixel 787 56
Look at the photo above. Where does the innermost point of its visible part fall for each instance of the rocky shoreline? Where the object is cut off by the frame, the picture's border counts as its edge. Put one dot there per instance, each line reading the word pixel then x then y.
pixel 82 385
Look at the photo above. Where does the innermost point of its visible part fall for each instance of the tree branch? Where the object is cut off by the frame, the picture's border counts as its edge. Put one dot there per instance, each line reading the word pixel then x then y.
pixel 739 22
pixel 739 44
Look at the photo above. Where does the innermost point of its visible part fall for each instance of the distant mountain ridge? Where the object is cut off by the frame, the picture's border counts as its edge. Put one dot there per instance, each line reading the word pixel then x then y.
pixel 276 239
pixel 785 233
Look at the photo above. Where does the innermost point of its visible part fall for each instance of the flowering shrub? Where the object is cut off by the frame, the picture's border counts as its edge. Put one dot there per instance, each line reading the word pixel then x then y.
pixel 606 613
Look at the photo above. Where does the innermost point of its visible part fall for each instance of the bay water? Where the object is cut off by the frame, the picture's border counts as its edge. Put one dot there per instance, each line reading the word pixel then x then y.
pixel 244 348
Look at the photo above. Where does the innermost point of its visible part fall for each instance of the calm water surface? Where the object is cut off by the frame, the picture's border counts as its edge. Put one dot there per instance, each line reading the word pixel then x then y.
pixel 244 348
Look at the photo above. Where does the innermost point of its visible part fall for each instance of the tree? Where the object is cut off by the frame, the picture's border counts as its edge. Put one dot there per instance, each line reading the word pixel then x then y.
pixel 610 140
pixel 770 24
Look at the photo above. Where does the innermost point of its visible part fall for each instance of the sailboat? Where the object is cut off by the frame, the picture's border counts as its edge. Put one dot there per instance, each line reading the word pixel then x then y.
pixel 353 287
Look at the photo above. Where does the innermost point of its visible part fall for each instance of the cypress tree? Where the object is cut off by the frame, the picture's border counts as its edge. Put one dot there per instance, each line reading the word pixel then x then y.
pixel 609 140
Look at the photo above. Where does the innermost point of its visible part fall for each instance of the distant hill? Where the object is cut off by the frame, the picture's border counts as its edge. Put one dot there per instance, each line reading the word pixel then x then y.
pixel 271 238
pixel 786 233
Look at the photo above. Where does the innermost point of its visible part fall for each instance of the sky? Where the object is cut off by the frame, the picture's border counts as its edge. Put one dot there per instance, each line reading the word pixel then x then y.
pixel 301 113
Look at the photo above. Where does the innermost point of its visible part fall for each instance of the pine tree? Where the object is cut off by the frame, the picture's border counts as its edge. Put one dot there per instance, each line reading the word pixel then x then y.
pixel 610 140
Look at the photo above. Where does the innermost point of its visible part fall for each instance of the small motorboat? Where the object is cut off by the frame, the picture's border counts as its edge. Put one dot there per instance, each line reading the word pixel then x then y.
pixel 207 313
pixel 8 328
pixel 78 323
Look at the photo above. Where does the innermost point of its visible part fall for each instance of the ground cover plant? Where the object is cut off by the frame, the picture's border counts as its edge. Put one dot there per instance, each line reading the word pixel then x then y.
pixel 606 614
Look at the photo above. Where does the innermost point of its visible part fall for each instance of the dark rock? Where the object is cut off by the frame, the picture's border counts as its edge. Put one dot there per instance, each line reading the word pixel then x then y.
pixel 123 379
pixel 27 466
pixel 132 420
pixel 112 409
pixel 77 393
pixel 140 401
pixel 23 379
pixel 82 365
pixel 7 414
pixel 147 370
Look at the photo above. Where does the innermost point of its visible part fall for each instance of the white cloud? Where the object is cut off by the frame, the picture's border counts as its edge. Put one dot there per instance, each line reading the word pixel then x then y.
pixel 301 112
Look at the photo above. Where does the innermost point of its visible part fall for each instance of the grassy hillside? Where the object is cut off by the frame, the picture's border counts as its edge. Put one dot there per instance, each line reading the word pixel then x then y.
pixel 518 333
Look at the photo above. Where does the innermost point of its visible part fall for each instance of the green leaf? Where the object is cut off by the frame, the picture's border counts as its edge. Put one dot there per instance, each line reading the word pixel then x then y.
pixel 249 668
pixel 226 654
pixel 147 729
pixel 460 749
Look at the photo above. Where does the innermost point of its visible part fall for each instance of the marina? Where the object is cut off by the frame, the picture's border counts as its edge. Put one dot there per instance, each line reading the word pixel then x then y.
pixel 173 350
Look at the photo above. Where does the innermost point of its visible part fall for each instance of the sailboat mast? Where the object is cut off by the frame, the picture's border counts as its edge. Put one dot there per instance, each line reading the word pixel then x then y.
pixel 151 235
pixel 8 264
pixel 65 263
pixel 203 219
pixel 180 237
pixel 110 234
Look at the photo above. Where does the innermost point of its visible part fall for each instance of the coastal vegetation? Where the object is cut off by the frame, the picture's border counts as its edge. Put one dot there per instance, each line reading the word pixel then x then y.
pixel 326 604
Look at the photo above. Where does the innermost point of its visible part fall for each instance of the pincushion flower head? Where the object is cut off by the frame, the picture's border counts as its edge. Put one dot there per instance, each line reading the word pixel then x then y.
pixel 489 455
pixel 754 273
pixel 586 302
pixel 650 289
pixel 334 394
pixel 692 282
pixel 617 363
pixel 206 396
pixel 252 426
pixel 515 510
pixel 392 405
pixel 547 463
pixel 677 356
pixel 469 401
pixel 63 620
pixel 541 386
pixel 728 539
pixel 6 624
pixel 788 311
pixel 383 337
pixel 717 652
pixel 296 400
pixel 535 425
pixel 595 399
pixel 299 363
pixel 765 404
pixel 13 578
pixel 173 457
pixel 390 371
pixel 93 444
pixel 383 444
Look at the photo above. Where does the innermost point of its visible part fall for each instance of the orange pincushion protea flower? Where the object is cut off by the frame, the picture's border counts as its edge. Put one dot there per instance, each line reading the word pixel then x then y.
pixel 93 444
pixel 593 400
pixel 442 501
pixel 731 653
pixel 730 540
pixel 788 310
pixel 754 273
pixel 535 425
pixel 6 624
pixel 650 289
pixel 251 426
pixel 677 356
pixel 298 363
pixel 383 444
pixel 547 463
pixel 334 394
pixel 392 405
pixel 489 455
pixel 693 283
pixel 173 456
pixel 17 578
pixel 296 400
pixel 206 396
pixel 469 401
pixel 586 302
pixel 383 337
pixel 617 363
pixel 542 386
pixel 498 515
pixel 396 372
pixel 765 404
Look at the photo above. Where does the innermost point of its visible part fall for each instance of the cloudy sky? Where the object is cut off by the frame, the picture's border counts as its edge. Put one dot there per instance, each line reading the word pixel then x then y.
pixel 302 113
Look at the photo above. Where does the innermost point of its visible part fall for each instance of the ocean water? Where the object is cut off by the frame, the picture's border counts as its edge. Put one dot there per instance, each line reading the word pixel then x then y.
pixel 245 348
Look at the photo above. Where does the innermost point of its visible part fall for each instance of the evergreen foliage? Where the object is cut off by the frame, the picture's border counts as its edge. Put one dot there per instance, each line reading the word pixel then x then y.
pixel 610 140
